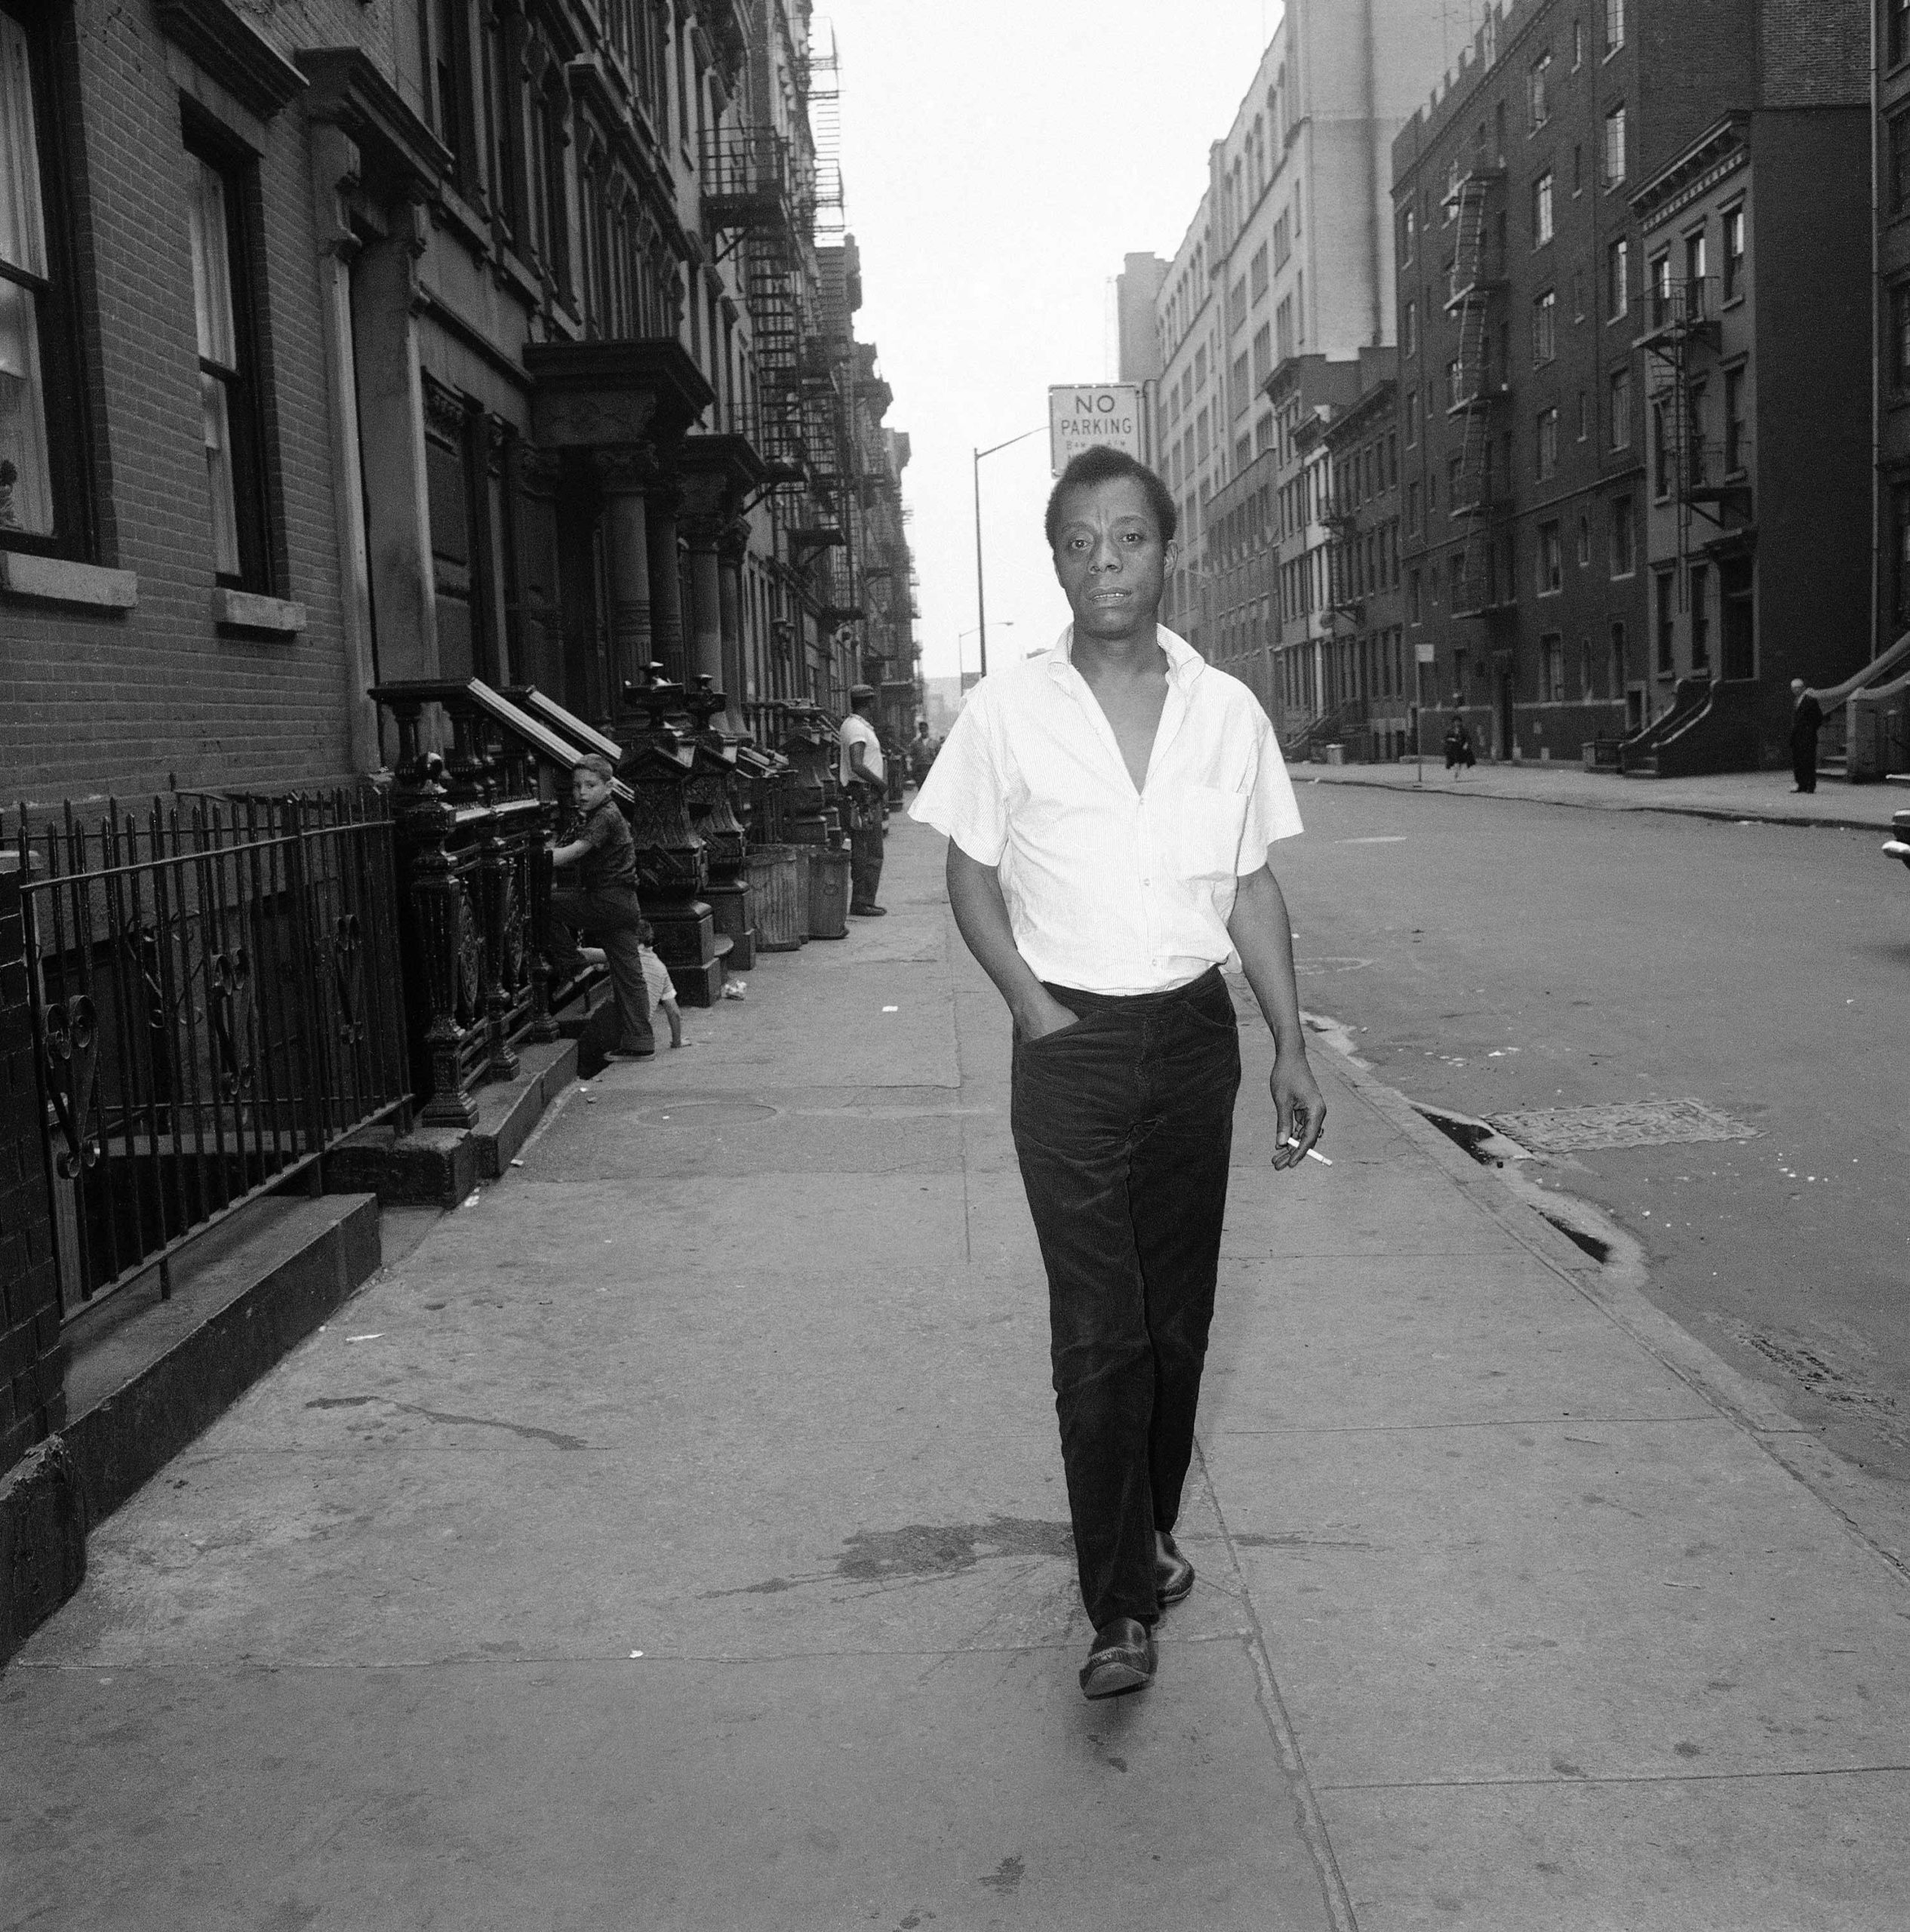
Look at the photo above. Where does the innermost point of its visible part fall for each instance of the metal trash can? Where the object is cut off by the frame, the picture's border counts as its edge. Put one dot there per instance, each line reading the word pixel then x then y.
pixel 829 894
pixel 778 897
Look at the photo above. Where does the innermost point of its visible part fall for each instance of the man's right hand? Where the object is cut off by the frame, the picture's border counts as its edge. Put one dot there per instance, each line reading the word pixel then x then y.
pixel 1043 1014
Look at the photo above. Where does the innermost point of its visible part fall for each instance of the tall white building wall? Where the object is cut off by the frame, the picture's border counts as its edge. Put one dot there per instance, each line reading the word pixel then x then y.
pixel 1291 249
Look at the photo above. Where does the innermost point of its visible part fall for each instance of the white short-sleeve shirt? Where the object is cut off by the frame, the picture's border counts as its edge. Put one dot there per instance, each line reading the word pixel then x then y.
pixel 1110 890
pixel 856 729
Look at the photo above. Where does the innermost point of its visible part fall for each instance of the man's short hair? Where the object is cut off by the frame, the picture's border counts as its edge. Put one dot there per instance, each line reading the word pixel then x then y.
pixel 596 761
pixel 1102 464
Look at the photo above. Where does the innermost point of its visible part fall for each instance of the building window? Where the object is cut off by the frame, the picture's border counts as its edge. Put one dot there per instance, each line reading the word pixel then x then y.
pixel 1412 584
pixel 1900 337
pixel 1615 25
pixel 1897 30
pixel 1412 417
pixel 1408 330
pixel 1413 507
pixel 1733 226
pixel 42 437
pixel 1700 617
pixel 1578 167
pixel 448 31
pixel 1737 453
pixel 1666 601
pixel 216 199
pixel 1900 552
pixel 1618 401
pixel 1578 45
pixel 1618 280
pixel 1257 270
pixel 1545 444
pixel 1585 415
pixel 1551 561
pixel 1262 353
pixel 1621 669
pixel 1538 107
pixel 1542 230
pixel 1545 311
pixel 1552 668
pixel 1409 229
pixel 1584 539
pixel 1624 546
pixel 1615 146
pixel 1661 453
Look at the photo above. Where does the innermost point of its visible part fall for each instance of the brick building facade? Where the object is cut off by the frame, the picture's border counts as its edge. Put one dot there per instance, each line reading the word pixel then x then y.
pixel 410 341
pixel 1528 385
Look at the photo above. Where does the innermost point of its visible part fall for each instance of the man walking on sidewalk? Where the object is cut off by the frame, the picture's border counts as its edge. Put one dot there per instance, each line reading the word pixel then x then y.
pixel 864 773
pixel 1109 808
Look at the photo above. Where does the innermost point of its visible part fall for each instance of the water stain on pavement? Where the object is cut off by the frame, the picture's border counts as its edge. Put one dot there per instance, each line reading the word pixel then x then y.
pixel 1007 1875
pixel 922 1553
pixel 556 1437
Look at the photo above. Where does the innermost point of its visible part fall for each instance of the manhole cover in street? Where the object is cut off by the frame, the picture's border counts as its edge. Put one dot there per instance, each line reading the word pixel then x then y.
pixel 707 1113
pixel 1645 1124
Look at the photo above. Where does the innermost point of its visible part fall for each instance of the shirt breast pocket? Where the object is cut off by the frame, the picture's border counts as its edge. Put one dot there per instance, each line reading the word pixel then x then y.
pixel 1205 829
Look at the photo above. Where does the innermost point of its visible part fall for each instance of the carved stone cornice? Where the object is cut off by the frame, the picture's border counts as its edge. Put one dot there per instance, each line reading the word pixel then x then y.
pixel 232 52
pixel 626 469
pixel 643 391
pixel 348 92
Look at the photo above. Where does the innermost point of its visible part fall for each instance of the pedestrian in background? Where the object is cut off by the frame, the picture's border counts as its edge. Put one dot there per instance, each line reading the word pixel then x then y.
pixel 1458 745
pixel 603 903
pixel 864 773
pixel 1807 720
pixel 921 752
pixel 1109 806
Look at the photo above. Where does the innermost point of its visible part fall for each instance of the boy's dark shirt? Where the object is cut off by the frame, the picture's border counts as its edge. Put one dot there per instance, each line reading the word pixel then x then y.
pixel 611 862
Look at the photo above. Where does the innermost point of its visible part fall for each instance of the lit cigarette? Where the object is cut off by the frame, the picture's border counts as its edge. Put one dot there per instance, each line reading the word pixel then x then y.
pixel 1312 1153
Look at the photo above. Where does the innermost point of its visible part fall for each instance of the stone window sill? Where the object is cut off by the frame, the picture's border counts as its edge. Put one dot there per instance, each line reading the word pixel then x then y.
pixel 246 610
pixel 57 580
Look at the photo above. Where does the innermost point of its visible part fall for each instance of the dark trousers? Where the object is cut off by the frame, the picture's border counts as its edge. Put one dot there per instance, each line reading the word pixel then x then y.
pixel 865 861
pixel 613 919
pixel 1803 765
pixel 1123 1125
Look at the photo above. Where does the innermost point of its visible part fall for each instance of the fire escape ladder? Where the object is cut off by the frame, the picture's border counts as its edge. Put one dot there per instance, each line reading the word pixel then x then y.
pixel 1471 393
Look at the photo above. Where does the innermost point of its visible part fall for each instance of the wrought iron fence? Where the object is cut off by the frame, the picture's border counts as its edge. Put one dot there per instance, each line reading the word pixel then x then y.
pixel 215 994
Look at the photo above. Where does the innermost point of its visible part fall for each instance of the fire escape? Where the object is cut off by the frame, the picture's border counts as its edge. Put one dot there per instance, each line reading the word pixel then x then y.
pixel 1477 280
pixel 753 201
pixel 1705 476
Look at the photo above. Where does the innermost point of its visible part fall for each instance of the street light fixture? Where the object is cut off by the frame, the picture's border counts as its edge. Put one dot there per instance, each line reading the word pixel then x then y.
pixel 1008 624
pixel 981 608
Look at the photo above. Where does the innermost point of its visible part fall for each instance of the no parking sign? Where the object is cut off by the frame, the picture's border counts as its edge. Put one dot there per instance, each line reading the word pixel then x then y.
pixel 1080 416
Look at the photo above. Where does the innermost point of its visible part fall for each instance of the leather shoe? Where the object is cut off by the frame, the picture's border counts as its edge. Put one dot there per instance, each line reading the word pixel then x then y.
pixel 1122 1659
pixel 1174 1575
pixel 869 911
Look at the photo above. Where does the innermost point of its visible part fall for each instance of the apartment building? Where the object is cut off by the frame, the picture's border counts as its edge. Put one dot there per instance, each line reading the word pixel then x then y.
pixel 1370 684
pixel 341 345
pixel 1527 384
pixel 1287 254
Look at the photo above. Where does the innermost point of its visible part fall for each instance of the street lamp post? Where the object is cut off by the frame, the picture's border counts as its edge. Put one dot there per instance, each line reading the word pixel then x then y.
pixel 981 608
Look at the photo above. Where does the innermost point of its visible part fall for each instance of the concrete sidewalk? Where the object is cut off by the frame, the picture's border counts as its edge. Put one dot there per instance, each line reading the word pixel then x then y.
pixel 676 1539
pixel 1768 795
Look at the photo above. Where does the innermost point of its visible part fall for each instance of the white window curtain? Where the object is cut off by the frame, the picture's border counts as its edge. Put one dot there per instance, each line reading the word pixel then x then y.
pixel 212 299
pixel 26 485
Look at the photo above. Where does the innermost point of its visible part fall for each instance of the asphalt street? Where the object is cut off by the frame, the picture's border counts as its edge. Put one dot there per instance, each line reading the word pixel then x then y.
pixel 1491 956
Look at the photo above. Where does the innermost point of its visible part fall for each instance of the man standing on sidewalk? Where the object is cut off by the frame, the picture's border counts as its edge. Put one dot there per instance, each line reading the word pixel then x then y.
pixel 1109 808
pixel 864 773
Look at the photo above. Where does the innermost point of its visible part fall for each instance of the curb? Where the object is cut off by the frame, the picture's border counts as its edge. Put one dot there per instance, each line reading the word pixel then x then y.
pixel 1748 1404
pixel 1718 814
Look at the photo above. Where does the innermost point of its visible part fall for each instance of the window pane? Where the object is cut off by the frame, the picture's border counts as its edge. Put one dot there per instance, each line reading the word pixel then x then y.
pixel 23 232
pixel 219 475
pixel 212 284
pixel 27 493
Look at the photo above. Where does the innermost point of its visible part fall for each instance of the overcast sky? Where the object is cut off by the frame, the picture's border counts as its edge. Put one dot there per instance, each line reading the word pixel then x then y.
pixel 1000 157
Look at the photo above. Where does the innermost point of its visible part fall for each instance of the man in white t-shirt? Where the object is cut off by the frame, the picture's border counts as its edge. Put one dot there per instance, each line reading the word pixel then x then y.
pixel 864 777
pixel 1108 807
